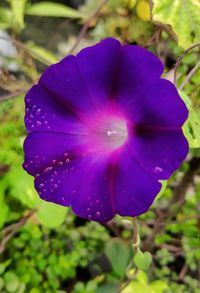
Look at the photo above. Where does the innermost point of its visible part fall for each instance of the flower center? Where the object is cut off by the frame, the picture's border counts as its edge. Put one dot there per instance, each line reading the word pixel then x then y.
pixel 107 133
pixel 116 133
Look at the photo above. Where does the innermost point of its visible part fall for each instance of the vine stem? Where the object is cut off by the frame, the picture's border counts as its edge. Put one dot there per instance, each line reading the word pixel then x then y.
pixel 12 229
pixel 136 248
pixel 86 26
pixel 136 238
pixel 13 95
pixel 190 74
pixel 181 57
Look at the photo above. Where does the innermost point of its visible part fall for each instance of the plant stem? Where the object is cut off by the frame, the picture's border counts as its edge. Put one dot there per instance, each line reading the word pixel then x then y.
pixel 86 26
pixel 13 95
pixel 136 247
pixel 181 57
pixel 12 229
pixel 188 77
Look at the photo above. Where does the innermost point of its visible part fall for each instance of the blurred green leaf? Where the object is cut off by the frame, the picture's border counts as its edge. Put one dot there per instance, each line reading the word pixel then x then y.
pixel 143 260
pixel 161 192
pixel 52 9
pixel 38 51
pixel 5 18
pixel 3 266
pixel 18 7
pixel 22 187
pixel 11 281
pixel 34 290
pixel 183 16
pixel 1 284
pixel 159 286
pixel 51 215
pixel 118 254
pixel 141 285
pixel 191 127
pixel 130 3
pixel 109 287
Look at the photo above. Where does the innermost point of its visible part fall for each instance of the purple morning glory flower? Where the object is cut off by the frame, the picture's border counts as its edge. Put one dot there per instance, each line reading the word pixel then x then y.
pixel 103 129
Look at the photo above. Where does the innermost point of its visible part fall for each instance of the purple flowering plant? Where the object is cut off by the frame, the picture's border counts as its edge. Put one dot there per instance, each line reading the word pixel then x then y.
pixel 104 128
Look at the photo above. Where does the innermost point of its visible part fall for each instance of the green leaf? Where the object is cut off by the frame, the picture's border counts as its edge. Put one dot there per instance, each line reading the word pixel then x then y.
pixel 6 18
pixel 139 285
pixel 130 3
pixel 18 7
pixel 11 281
pixel 1 284
pixel 143 260
pixel 4 210
pixel 3 266
pixel 51 215
pixel 159 286
pixel 162 190
pixel 22 187
pixel 52 9
pixel 108 287
pixel 191 128
pixel 118 254
pixel 183 16
pixel 38 52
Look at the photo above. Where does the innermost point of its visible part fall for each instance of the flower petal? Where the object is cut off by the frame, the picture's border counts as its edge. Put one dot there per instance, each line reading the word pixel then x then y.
pixel 159 105
pixel 98 65
pixel 45 150
pixel 93 199
pixel 67 175
pixel 81 183
pixel 64 81
pixel 159 152
pixel 137 68
pixel 44 112
pixel 135 189
pixel 84 82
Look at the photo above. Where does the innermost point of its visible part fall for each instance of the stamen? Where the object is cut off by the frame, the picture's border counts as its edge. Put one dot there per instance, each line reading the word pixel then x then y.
pixel 107 133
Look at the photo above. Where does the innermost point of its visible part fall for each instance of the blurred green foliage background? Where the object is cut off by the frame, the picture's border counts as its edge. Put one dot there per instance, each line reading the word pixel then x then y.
pixel 45 247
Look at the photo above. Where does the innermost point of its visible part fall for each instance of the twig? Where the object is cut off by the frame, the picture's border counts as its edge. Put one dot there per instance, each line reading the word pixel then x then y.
pixel 191 73
pixel 188 178
pixel 170 247
pixel 183 272
pixel 12 229
pixel 155 38
pixel 151 8
pixel 13 95
pixel 3 169
pixel 181 57
pixel 86 26
pixel 26 49
pixel 152 222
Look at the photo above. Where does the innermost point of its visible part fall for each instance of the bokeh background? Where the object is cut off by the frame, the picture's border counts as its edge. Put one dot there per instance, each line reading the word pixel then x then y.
pixel 45 247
